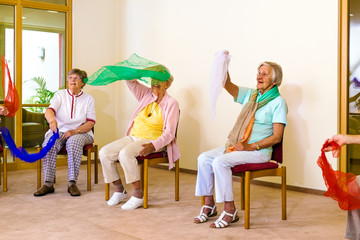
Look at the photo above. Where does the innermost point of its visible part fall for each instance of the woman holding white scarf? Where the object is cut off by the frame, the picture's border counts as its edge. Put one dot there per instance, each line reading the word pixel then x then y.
pixel 260 126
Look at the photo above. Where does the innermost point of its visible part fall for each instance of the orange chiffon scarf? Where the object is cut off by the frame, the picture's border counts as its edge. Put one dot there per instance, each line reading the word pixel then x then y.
pixel 11 99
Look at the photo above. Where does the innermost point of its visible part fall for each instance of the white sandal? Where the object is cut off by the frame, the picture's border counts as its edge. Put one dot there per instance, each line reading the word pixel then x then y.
pixel 202 217
pixel 220 223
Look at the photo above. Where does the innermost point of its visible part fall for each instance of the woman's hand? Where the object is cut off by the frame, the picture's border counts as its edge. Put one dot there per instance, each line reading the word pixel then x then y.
pixel 148 148
pixel 239 146
pixel 340 140
pixel 3 110
pixel 69 133
pixel 53 125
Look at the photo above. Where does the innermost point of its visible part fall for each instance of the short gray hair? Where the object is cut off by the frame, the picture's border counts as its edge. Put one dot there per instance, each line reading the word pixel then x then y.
pixel 277 71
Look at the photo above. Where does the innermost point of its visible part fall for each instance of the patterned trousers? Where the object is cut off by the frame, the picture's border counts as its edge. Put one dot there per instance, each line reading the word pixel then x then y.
pixel 74 148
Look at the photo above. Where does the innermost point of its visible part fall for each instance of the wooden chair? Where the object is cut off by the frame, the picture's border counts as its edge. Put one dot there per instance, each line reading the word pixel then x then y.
pixel 3 154
pixel 145 162
pixel 87 151
pixel 256 170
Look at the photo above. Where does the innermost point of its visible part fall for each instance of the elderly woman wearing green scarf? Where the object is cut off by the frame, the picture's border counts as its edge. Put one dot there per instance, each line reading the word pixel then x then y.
pixel 259 126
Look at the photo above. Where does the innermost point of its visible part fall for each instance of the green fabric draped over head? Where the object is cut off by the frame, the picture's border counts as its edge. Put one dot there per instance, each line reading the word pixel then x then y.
pixel 134 67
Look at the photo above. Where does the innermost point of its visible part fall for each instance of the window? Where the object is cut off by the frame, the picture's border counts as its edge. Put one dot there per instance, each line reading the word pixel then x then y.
pixel 37 45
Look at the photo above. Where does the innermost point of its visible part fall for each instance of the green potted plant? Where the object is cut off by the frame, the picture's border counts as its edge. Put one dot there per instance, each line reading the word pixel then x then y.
pixel 42 96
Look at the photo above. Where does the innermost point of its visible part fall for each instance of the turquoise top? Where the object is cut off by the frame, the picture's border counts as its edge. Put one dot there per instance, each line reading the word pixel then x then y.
pixel 273 112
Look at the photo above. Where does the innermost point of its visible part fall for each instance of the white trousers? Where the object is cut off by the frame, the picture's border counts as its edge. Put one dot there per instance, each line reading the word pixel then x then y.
pixel 125 150
pixel 215 164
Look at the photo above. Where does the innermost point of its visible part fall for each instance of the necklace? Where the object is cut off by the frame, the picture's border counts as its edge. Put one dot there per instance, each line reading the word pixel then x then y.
pixel 150 114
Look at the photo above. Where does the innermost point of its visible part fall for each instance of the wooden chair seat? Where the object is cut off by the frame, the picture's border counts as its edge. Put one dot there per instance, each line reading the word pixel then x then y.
pixel 253 167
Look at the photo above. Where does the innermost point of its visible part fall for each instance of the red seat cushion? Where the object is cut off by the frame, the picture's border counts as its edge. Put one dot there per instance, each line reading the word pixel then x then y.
pixel 254 166
pixel 277 155
pixel 153 155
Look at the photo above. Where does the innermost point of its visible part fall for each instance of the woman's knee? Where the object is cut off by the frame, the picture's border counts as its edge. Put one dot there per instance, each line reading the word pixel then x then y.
pixel 218 163
pixel 103 153
pixel 74 143
pixel 204 160
pixel 125 154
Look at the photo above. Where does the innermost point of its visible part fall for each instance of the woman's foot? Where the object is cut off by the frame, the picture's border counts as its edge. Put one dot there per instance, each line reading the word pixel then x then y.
pixel 133 203
pixel 205 213
pixel 225 219
pixel 116 198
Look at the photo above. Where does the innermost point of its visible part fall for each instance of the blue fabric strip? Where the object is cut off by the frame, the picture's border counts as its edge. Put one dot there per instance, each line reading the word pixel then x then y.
pixel 22 153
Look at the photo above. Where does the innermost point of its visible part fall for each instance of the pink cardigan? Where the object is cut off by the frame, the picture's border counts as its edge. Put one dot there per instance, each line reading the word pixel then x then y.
pixel 170 112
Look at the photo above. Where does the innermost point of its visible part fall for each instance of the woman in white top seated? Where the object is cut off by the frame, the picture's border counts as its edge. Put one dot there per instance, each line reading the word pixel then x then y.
pixel 72 112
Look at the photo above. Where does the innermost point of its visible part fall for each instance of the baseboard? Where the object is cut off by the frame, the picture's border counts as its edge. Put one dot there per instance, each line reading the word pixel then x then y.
pixel 255 182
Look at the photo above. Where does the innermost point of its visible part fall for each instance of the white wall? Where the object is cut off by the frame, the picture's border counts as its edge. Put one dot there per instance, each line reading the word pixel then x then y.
pixel 184 36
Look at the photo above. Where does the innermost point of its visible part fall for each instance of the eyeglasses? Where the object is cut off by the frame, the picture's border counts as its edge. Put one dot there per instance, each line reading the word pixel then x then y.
pixel 74 78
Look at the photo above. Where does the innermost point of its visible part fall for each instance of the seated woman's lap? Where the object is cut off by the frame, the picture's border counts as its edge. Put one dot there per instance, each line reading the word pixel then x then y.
pixel 127 146
pixel 79 140
pixel 217 157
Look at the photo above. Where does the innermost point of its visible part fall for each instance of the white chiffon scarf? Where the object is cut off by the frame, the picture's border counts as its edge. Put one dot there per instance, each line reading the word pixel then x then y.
pixel 218 78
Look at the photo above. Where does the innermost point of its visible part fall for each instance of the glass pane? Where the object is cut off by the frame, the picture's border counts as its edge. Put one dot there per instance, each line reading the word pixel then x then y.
pixel 43 70
pixel 353 156
pixel 43 55
pixel 59 2
pixel 7 50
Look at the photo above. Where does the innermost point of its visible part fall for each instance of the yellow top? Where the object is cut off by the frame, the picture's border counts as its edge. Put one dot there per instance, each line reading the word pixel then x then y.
pixel 148 124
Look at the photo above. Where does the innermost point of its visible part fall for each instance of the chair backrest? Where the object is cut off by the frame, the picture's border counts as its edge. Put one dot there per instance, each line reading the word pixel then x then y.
pixel 277 154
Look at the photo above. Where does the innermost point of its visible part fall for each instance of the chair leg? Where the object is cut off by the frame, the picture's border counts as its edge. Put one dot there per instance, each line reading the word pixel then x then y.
pixel 5 170
pixel 177 170
pixel 247 200
pixel 89 170
pixel 107 191
pixel 242 195
pixel 146 165
pixel 38 170
pixel 283 193
pixel 202 200
pixel 96 168
pixel 1 166
pixel 142 176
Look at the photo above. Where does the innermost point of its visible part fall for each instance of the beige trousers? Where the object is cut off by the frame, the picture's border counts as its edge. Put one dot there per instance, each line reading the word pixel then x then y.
pixel 125 150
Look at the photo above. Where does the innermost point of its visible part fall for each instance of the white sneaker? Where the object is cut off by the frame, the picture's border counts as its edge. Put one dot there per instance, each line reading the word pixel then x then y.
pixel 132 203
pixel 116 198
